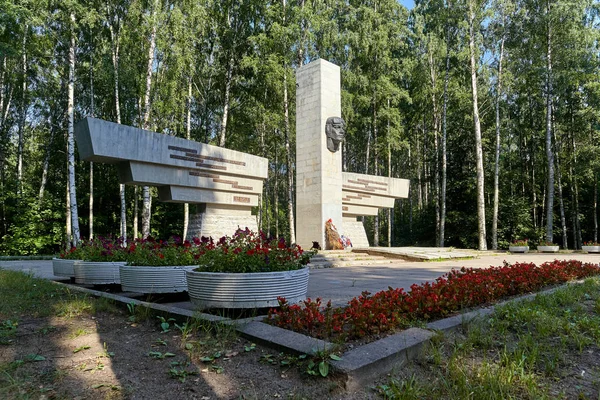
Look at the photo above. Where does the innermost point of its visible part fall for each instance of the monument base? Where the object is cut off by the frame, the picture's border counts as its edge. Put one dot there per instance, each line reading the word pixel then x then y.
pixel 355 230
pixel 217 221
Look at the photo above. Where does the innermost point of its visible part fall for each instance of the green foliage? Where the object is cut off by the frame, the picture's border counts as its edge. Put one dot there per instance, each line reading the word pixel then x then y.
pixel 247 251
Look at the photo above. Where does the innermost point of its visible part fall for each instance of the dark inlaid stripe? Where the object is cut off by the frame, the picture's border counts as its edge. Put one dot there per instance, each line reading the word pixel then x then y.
pixel 204 174
pixel 236 186
pixel 177 148
pixel 178 157
pixel 360 188
pixel 199 164
pixel 375 182
pixel 217 159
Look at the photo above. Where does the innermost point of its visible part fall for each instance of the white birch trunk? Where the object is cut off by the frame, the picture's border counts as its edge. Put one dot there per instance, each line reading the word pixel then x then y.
pixel 188 135
pixel 70 136
pixel 114 40
pixel 444 160
pixel 497 160
pixel 2 76
pixel 228 77
pixel 136 195
pixel 146 198
pixel 45 169
pixel 477 123
pixel 22 113
pixel 288 155
pixel 68 229
pixel 549 152
pixel 91 200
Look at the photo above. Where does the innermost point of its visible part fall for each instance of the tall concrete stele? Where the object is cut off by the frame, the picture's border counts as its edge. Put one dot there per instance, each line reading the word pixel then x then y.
pixel 225 184
pixel 323 191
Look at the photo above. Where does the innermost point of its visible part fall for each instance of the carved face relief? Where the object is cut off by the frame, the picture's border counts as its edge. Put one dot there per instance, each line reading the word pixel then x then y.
pixel 335 132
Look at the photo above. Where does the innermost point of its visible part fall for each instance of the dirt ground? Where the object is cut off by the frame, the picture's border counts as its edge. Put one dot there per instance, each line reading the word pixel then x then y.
pixel 108 357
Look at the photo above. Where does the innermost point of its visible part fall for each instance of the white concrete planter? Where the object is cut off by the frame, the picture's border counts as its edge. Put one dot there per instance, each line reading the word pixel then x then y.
pixel 547 249
pixel 518 249
pixel 63 267
pixel 247 290
pixel 143 279
pixel 97 272
pixel 591 249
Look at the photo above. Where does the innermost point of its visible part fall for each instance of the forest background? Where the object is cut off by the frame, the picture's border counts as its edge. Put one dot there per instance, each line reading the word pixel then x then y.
pixel 490 108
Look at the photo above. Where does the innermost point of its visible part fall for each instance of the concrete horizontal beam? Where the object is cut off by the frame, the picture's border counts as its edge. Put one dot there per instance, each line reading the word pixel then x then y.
pixel 349 210
pixel 379 185
pixel 108 142
pixel 180 194
pixel 136 173
pixel 366 200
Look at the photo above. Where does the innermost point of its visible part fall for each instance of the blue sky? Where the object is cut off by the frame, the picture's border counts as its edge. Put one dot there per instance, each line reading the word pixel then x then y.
pixel 407 3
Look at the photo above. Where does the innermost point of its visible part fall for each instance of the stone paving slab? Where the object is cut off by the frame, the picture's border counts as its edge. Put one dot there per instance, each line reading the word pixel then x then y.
pixel 420 253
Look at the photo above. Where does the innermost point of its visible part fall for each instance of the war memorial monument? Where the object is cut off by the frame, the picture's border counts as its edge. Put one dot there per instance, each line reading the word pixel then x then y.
pixel 224 185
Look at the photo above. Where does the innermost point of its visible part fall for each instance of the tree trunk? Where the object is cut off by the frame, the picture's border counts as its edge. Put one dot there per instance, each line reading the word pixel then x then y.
pixel 146 198
pixel 595 208
pixel 188 136
pixel 497 159
pixel 444 151
pixel 91 202
pixel 2 90
pixel 563 221
pixel 302 40
pixel 433 77
pixel 376 168
pixel 22 112
pixel 70 137
pixel 549 152
pixel 390 211
pixel 288 155
pixel 136 195
pixel 478 146
pixel 114 40
pixel 45 168
pixel 276 197
pixel 228 79
pixel 68 229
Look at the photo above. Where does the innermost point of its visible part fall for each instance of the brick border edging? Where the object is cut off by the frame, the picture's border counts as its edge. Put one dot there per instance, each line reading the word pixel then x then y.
pixel 358 366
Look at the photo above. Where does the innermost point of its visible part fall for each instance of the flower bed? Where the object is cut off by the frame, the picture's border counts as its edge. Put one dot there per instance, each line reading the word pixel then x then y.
pixel 394 308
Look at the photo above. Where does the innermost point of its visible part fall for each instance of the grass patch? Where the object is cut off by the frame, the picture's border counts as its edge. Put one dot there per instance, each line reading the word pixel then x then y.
pixel 526 349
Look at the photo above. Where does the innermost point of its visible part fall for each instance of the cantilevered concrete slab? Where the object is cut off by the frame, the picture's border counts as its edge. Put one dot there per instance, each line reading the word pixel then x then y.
pixel 224 183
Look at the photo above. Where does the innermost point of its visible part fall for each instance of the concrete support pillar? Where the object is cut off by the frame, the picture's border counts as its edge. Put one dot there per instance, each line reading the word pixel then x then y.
pixel 318 170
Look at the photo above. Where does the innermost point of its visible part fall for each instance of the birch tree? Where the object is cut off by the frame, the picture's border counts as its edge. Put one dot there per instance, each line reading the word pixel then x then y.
pixel 477 125
pixel 147 199
pixel 70 136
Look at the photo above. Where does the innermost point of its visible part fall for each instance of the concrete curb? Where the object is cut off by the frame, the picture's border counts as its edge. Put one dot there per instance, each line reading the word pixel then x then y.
pixel 358 366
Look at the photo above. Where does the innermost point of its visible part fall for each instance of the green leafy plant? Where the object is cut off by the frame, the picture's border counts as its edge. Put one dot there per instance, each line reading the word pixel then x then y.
pixel 249 251
pixel 520 242
pixel 158 355
pixel 97 249
pixel 165 324
pixel 591 243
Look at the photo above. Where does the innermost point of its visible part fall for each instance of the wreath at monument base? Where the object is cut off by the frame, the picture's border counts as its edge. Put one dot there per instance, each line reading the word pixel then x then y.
pixel 333 240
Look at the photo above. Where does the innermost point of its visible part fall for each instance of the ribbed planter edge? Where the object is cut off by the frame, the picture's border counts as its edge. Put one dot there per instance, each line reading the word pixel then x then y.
pixel 63 267
pixel 147 279
pixel 246 290
pixel 97 272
